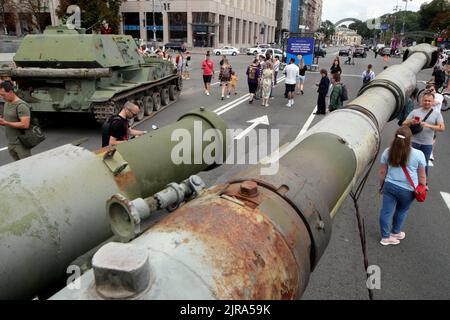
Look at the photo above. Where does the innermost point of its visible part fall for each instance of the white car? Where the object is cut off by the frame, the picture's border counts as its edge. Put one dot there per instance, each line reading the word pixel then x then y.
pixel 274 53
pixel 226 51
pixel 257 50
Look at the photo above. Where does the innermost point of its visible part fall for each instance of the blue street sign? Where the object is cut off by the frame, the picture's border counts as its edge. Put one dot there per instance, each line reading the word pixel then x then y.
pixel 385 26
pixel 301 48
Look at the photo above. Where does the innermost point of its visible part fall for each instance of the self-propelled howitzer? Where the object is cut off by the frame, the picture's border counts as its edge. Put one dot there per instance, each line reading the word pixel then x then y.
pixel 64 70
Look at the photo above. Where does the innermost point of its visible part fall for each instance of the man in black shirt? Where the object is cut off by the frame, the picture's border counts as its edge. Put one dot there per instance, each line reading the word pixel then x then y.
pixel 119 127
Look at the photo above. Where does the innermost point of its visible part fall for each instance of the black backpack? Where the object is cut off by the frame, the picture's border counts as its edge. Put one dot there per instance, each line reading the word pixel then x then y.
pixel 344 93
pixel 106 129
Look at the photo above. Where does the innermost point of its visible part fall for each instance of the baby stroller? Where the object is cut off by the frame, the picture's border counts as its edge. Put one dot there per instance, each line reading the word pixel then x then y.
pixel 349 61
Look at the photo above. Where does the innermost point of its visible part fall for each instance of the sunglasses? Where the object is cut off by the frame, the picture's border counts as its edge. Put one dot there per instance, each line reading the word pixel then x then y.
pixel 134 114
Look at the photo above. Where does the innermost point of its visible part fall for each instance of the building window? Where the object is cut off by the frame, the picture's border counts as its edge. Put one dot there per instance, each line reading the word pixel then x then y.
pixel 230 30
pixel 244 31
pixel 238 31
pixel 131 24
pixel 221 28
pixel 158 25
pixel 203 29
pixel 250 31
pixel 177 26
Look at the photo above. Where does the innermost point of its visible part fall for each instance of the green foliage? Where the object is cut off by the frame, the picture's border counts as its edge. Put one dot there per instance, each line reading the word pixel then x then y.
pixel 431 14
pixel 328 29
pixel 94 12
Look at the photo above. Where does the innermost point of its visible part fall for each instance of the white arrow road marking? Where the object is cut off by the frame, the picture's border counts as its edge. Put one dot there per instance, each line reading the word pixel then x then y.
pixel 308 123
pixel 446 197
pixel 255 122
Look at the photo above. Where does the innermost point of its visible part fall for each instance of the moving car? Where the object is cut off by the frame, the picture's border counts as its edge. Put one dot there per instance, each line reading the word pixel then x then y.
pixel 344 52
pixel 320 53
pixel 386 51
pixel 176 46
pixel 359 52
pixel 226 50
pixel 274 53
pixel 257 50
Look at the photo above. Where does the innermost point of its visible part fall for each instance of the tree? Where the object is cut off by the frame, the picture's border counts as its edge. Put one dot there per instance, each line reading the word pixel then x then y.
pixel 361 28
pixel 328 29
pixel 431 13
pixel 94 12
pixel 34 8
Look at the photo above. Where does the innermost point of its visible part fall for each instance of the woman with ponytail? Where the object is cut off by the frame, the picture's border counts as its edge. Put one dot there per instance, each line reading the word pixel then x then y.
pixel 398 193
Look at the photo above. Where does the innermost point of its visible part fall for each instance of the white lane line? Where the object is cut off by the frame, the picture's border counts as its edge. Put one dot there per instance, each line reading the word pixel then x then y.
pixel 3 149
pixel 246 97
pixel 231 103
pixel 238 101
pixel 446 197
pixel 308 123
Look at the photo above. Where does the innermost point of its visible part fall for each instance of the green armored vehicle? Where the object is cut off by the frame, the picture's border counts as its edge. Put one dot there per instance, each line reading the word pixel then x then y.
pixel 64 70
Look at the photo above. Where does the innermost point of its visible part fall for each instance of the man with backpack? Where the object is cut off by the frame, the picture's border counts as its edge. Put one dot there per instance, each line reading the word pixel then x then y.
pixel 253 75
pixel 368 75
pixel 16 118
pixel 117 129
pixel 339 93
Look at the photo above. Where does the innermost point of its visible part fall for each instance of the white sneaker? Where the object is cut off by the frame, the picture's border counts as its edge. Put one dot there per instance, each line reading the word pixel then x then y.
pixel 389 241
pixel 228 97
pixel 207 93
pixel 398 236
pixel 289 105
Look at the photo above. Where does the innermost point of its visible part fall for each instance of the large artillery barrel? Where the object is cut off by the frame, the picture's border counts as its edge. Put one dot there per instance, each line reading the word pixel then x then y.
pixel 259 236
pixel 52 207
pixel 80 73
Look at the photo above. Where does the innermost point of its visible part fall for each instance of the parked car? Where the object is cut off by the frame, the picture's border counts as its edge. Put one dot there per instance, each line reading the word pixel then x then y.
pixel 344 52
pixel 274 53
pixel 257 50
pixel 176 46
pixel 226 51
pixel 320 53
pixel 359 52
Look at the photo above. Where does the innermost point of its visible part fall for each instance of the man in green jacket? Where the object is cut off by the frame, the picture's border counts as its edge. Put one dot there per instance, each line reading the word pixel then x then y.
pixel 336 94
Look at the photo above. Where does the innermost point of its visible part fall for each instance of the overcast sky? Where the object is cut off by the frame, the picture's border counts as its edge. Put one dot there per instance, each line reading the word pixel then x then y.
pixel 335 10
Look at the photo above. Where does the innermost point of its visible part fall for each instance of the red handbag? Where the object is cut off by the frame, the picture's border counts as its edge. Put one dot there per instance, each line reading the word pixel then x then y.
pixel 420 191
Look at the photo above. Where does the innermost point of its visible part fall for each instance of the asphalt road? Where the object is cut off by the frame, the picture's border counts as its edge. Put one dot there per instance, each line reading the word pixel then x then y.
pixel 418 268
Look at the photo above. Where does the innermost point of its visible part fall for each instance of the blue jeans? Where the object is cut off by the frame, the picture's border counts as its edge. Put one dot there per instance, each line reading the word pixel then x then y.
pixel 426 149
pixel 396 202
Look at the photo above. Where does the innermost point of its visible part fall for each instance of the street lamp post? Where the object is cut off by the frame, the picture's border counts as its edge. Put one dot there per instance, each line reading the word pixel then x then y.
pixel 154 23
pixel 404 16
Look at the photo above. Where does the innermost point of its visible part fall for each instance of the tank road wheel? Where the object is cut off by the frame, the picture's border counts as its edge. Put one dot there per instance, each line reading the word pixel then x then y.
pixel 174 94
pixel 148 105
pixel 140 115
pixel 165 96
pixel 156 97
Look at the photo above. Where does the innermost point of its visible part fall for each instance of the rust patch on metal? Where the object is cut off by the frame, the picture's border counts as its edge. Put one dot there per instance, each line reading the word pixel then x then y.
pixel 125 180
pixel 249 256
